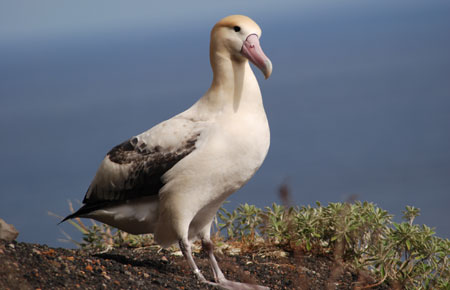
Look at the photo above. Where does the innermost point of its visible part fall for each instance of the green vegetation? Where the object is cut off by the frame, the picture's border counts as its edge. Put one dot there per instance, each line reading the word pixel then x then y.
pixel 361 235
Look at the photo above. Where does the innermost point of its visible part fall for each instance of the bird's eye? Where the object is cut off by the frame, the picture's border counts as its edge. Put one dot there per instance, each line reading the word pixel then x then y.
pixel 237 28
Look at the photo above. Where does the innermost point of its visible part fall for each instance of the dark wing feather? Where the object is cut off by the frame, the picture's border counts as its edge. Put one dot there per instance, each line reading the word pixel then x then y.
pixel 145 167
pixel 140 168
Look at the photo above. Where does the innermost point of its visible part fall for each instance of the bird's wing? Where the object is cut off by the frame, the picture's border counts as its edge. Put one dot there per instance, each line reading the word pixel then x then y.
pixel 134 168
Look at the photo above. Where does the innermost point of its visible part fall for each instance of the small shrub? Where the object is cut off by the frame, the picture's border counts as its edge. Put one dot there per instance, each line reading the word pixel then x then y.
pixel 359 234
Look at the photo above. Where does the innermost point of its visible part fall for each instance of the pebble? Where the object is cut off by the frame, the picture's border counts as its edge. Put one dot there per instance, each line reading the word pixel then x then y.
pixel 234 251
pixel 50 252
pixel 280 254
pixel 106 276
pixel 177 253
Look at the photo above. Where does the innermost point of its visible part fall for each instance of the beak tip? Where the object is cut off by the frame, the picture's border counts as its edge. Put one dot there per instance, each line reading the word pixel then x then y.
pixel 267 69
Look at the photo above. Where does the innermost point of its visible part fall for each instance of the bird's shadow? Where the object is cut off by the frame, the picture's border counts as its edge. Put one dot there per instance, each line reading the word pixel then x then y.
pixel 156 264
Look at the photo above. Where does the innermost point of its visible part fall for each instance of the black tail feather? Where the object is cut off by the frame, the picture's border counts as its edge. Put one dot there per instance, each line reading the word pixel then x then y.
pixel 88 208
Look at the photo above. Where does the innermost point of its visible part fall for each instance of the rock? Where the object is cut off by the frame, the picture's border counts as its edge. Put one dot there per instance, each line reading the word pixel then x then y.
pixel 7 232
pixel 177 254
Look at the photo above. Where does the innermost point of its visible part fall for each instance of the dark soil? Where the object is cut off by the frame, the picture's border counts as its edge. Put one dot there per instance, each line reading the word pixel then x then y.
pixel 32 266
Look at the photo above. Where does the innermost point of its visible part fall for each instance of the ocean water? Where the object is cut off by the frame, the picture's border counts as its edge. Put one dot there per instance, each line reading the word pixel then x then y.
pixel 358 104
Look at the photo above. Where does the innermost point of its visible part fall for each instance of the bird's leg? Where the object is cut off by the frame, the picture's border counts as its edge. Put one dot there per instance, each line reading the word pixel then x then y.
pixel 185 248
pixel 208 247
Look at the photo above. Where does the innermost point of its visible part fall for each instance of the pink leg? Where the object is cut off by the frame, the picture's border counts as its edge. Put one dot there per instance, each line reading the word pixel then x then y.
pixel 208 247
pixel 185 248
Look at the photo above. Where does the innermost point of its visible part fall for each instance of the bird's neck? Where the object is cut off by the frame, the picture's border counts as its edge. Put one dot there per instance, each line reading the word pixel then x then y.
pixel 234 86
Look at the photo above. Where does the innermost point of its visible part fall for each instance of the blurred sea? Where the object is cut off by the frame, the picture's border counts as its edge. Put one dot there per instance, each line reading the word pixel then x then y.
pixel 358 103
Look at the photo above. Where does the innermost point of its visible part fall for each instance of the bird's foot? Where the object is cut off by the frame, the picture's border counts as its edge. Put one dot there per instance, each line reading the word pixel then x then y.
pixel 232 285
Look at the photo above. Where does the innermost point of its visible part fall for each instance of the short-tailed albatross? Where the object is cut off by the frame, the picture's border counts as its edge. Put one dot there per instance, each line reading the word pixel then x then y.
pixel 172 179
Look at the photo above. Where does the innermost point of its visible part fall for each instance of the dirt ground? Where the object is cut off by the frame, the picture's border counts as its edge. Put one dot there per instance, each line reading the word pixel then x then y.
pixel 32 266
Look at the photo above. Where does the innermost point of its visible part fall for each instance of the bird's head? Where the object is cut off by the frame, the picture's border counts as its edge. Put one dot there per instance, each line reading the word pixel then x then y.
pixel 237 36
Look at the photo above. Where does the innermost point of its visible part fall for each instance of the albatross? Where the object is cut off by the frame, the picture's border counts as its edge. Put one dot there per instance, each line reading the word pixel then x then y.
pixel 172 179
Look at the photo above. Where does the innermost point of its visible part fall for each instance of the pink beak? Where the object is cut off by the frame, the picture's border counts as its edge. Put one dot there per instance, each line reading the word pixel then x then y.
pixel 253 52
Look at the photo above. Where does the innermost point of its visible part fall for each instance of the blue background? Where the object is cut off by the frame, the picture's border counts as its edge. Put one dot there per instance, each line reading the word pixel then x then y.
pixel 358 102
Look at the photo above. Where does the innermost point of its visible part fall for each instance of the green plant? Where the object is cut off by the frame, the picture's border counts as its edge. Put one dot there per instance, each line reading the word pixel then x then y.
pixel 359 234
pixel 242 223
pixel 277 222
pixel 412 256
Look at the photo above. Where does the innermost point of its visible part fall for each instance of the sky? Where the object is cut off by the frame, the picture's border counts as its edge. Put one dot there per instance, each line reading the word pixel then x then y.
pixel 358 102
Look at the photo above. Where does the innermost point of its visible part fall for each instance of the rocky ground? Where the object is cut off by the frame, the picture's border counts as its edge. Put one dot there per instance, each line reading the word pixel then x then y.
pixel 32 266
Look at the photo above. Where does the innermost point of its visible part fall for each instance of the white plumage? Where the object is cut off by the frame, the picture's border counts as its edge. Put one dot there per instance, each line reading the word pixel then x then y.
pixel 171 179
